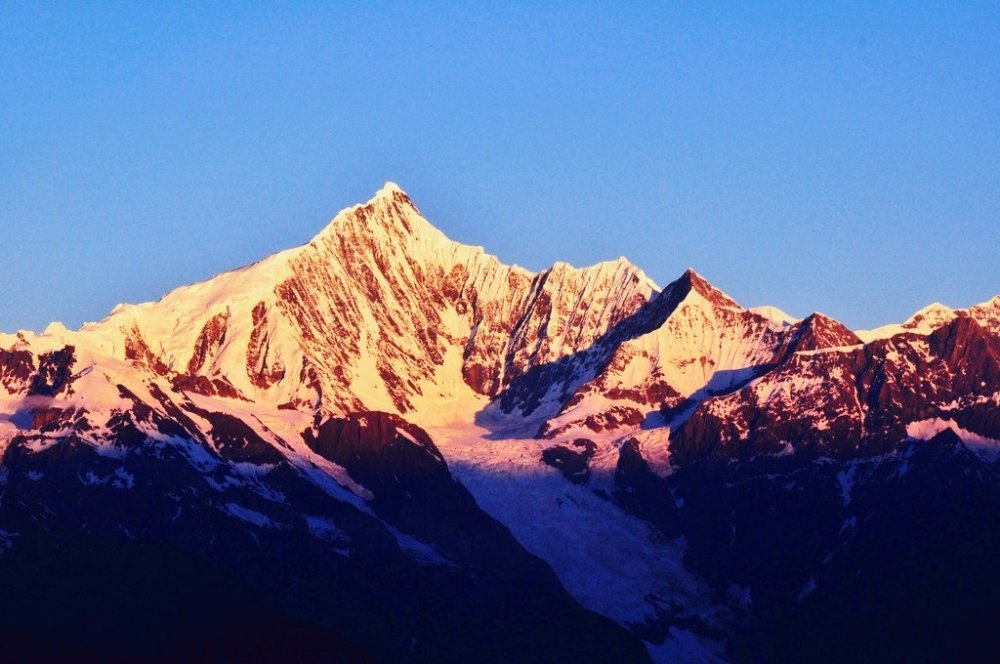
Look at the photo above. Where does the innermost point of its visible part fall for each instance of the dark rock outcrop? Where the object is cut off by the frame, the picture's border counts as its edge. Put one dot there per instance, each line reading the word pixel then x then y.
pixel 571 460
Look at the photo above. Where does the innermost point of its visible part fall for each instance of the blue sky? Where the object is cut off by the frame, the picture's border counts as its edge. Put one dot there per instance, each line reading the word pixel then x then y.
pixel 843 158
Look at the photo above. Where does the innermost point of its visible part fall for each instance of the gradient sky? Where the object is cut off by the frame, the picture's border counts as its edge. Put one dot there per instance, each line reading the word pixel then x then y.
pixel 843 158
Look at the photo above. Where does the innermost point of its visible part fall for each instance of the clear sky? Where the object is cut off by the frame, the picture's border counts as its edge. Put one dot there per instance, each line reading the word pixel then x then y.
pixel 843 158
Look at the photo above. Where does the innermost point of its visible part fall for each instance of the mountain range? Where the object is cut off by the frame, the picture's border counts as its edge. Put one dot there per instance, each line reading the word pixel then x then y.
pixel 386 445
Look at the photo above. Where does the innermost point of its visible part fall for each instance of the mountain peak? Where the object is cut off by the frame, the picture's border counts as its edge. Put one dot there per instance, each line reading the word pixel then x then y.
pixel 817 331
pixel 929 318
pixel 389 212
pixel 992 304
pixel 389 194
pixel 679 290
pixel 388 189
pixel 692 281
pixel 932 308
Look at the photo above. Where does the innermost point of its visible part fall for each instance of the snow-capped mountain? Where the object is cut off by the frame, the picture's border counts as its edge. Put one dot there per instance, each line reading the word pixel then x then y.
pixel 396 445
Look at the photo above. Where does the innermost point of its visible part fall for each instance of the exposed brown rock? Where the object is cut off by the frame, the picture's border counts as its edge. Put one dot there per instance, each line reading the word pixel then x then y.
pixel 210 340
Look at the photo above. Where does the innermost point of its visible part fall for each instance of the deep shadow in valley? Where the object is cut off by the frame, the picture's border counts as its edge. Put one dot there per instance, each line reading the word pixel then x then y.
pixel 888 559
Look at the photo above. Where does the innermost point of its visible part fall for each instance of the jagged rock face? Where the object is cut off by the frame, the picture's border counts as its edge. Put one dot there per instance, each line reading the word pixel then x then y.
pixel 46 374
pixel 16 368
pixel 853 402
pixel 817 332
pixel 691 342
pixel 262 369
pixel 427 305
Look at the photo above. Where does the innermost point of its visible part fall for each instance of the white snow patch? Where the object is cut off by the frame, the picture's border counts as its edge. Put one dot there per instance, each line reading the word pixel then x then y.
pixel 333 480
pixel 407 435
pixel 985 448
pixel 845 479
pixel 325 529
pixel 419 551
pixel 250 516
pixel 196 454
pixel 684 647
pixel 775 315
